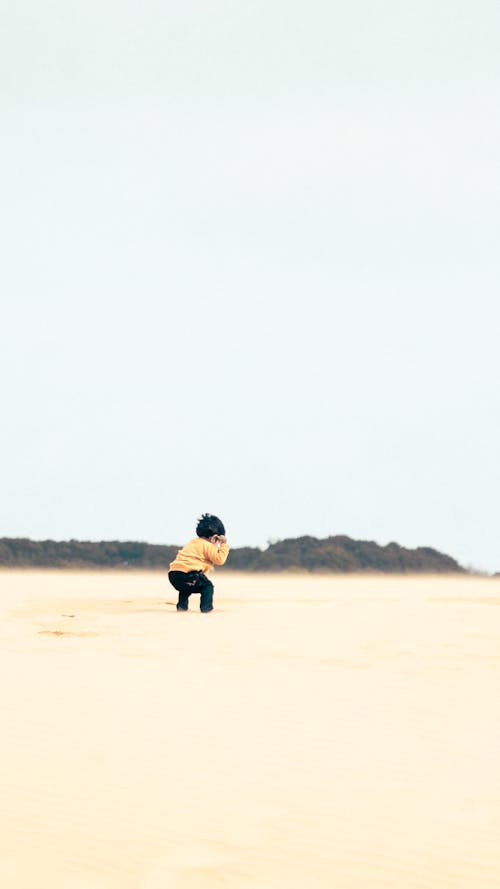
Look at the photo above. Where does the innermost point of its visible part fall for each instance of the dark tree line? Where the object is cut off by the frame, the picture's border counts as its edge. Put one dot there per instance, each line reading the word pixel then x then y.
pixel 24 553
pixel 342 555
pixel 333 554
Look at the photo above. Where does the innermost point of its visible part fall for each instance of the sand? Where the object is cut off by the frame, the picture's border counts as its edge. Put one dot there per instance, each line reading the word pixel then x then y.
pixel 310 732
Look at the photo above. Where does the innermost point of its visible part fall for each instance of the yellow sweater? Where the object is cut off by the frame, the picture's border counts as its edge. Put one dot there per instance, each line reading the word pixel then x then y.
pixel 199 555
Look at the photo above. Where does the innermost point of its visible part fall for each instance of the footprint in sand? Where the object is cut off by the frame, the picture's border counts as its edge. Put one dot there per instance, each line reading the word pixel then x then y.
pixel 65 633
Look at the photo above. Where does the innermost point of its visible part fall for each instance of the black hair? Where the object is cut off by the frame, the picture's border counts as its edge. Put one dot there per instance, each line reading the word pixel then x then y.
pixel 209 525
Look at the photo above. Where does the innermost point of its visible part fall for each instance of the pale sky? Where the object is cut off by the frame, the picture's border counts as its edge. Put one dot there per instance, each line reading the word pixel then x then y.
pixel 250 266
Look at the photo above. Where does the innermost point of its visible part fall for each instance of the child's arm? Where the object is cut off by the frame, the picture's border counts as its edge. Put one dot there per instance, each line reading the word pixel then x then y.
pixel 216 553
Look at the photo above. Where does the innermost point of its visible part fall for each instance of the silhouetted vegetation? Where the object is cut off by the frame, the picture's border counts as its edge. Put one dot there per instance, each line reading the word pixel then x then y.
pixel 24 553
pixel 342 555
pixel 333 554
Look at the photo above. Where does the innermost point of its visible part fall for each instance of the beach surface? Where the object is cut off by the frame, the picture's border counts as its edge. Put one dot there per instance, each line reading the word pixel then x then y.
pixel 325 732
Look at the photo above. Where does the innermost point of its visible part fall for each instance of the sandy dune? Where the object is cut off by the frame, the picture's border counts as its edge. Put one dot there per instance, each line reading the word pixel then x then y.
pixel 328 733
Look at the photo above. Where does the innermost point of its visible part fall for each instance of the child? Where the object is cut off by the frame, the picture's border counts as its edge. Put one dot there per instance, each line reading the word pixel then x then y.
pixel 187 573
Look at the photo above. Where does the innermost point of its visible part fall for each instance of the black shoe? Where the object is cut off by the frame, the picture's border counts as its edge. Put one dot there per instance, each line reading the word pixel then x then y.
pixel 180 608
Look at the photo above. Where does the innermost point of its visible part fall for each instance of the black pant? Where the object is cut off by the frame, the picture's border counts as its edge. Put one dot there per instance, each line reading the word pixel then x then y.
pixel 187 582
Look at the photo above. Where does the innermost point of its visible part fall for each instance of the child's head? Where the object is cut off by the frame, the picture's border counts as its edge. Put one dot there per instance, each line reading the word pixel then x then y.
pixel 209 525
